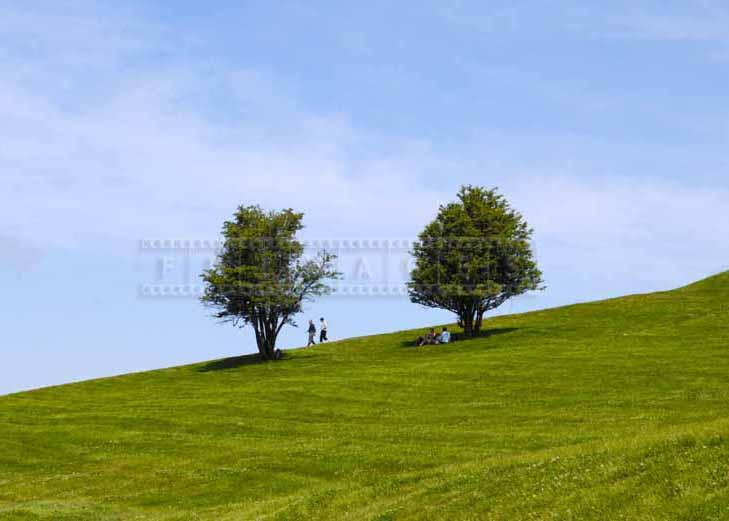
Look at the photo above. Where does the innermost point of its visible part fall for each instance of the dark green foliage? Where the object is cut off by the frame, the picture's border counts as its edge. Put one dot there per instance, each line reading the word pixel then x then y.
pixel 259 278
pixel 473 257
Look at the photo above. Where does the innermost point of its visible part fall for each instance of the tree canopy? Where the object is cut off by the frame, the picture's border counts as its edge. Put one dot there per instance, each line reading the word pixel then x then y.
pixel 260 278
pixel 473 257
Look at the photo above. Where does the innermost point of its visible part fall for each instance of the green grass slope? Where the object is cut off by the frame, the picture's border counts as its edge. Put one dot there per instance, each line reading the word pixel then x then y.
pixel 609 410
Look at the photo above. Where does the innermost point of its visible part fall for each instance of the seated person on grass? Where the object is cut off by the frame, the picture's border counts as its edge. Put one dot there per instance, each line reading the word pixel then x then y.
pixel 445 336
pixel 428 340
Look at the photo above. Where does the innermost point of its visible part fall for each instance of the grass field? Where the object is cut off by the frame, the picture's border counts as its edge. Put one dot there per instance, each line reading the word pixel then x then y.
pixel 609 410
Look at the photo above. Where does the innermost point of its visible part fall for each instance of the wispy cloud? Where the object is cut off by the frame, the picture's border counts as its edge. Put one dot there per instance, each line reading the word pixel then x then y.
pixel 700 21
pixel 18 255
pixel 154 156
pixel 115 128
pixel 670 28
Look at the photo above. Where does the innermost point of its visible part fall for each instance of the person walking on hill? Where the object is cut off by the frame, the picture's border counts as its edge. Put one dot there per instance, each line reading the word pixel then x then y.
pixel 312 334
pixel 322 330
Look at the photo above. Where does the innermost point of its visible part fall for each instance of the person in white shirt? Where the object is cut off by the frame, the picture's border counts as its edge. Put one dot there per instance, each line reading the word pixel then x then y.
pixel 445 336
pixel 322 330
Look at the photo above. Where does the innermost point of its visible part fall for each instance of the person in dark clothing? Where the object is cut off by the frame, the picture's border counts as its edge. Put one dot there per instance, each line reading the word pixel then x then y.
pixel 431 338
pixel 428 340
pixel 312 334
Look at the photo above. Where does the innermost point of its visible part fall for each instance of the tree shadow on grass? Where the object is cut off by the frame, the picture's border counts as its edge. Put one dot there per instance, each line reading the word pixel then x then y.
pixel 231 363
pixel 486 333
pixel 254 359
pixel 458 337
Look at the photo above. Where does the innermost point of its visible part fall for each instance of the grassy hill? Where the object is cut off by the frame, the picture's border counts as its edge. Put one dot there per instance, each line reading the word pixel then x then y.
pixel 609 410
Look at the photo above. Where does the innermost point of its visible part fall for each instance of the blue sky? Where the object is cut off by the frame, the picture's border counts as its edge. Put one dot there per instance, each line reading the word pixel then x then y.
pixel 606 126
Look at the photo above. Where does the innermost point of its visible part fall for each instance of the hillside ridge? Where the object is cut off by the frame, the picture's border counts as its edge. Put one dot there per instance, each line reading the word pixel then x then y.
pixel 609 409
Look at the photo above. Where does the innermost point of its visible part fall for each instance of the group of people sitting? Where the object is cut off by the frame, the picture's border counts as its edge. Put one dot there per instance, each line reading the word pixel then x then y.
pixel 433 338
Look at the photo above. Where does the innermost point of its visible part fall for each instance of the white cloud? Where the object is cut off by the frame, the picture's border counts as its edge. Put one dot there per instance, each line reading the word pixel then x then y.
pixel 149 158
pixel 103 143
pixel 697 27
pixel 636 230
pixel 18 255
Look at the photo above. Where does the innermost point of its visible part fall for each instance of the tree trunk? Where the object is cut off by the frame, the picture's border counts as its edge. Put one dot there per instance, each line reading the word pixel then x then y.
pixel 479 323
pixel 265 339
pixel 268 344
pixel 271 346
pixel 266 347
pixel 260 343
pixel 467 320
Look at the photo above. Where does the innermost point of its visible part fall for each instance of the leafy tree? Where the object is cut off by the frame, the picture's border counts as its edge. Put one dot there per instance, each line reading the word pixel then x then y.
pixel 473 257
pixel 260 278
